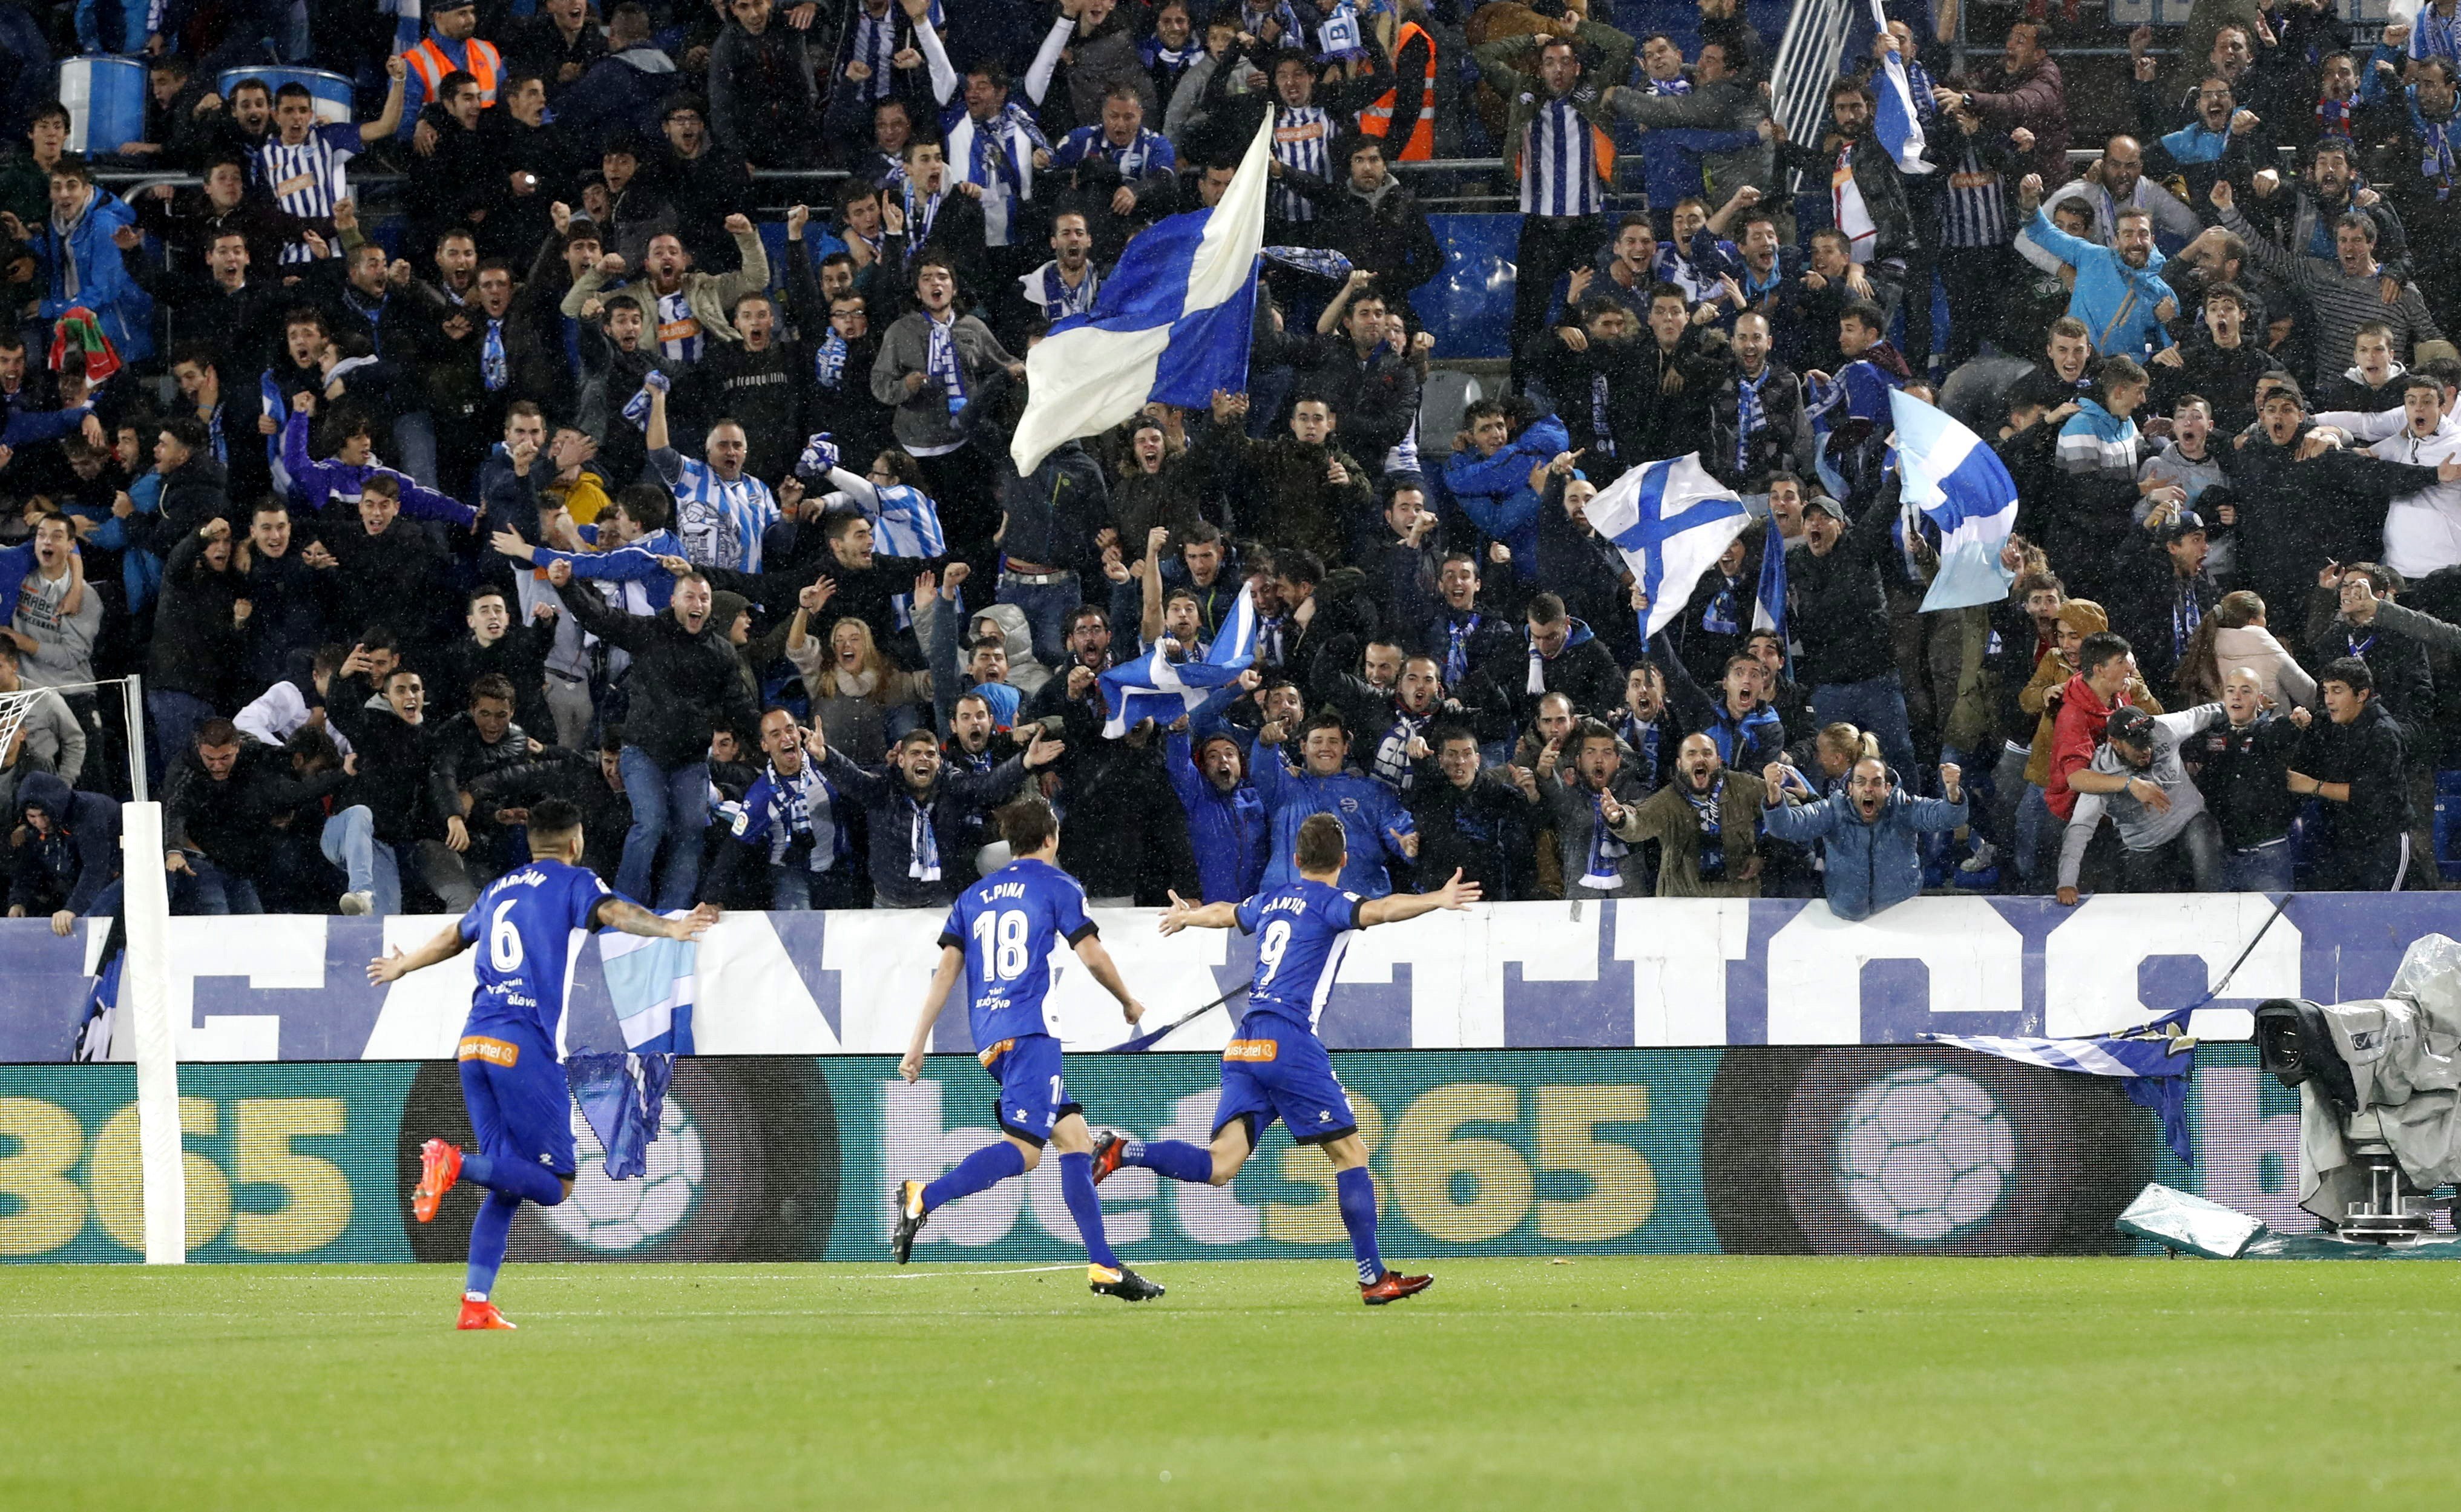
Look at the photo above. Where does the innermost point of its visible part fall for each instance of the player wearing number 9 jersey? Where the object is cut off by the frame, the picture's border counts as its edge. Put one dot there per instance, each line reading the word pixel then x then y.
pixel 1277 1067
pixel 1000 936
pixel 512 1081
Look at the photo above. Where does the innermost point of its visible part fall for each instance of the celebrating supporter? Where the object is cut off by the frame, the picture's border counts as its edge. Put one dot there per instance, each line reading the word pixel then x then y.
pixel 485 398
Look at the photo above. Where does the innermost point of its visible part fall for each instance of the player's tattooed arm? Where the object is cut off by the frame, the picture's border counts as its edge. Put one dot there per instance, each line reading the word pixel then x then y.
pixel 395 964
pixel 1453 894
pixel 1098 959
pixel 944 981
pixel 621 913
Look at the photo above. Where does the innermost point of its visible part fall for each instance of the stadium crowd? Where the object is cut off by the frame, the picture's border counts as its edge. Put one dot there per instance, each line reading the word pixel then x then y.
pixel 562 482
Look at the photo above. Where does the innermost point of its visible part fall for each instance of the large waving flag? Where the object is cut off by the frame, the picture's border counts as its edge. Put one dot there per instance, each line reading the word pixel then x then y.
pixel 1172 323
pixel 1961 486
pixel 1154 686
pixel 1672 522
pixel 1895 120
pixel 2152 1063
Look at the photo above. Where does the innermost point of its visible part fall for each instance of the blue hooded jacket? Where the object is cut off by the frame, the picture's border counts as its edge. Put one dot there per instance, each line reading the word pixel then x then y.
pixel 1228 831
pixel 103 284
pixel 1370 813
pixel 1870 866
pixel 1494 491
pixel 69 866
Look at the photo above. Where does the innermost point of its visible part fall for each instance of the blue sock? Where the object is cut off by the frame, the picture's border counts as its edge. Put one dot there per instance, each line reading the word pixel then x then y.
pixel 487 1234
pixel 1175 1158
pixel 1076 1185
pixel 513 1178
pixel 1356 1190
pixel 989 1166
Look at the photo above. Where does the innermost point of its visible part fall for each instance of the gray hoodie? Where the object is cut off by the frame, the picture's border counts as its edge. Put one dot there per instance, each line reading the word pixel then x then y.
pixel 54 741
pixel 2140 826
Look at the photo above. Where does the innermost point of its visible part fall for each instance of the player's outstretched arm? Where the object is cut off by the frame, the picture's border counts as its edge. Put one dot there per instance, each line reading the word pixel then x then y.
pixel 944 981
pixel 395 964
pixel 1401 906
pixel 1186 915
pixel 1098 959
pixel 619 913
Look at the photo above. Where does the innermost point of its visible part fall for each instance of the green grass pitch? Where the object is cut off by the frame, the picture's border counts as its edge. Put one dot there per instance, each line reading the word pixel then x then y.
pixel 1678 1384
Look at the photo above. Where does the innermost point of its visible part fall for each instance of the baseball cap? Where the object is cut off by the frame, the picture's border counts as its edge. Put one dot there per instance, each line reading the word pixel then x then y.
pixel 2187 523
pixel 2131 724
pixel 1822 503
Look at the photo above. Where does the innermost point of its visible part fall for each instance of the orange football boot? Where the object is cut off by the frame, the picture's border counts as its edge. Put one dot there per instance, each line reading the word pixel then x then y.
pixel 440 1166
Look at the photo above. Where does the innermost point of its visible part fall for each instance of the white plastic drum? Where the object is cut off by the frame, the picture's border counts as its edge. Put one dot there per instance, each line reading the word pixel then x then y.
pixel 336 102
pixel 106 101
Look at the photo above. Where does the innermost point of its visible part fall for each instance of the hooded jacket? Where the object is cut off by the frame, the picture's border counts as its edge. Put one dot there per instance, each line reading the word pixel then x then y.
pixel 2116 302
pixel 82 265
pixel 2076 735
pixel 69 866
pixel 1870 866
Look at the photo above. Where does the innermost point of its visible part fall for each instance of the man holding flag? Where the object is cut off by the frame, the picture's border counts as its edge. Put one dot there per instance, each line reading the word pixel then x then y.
pixel 1171 325
pixel 1866 190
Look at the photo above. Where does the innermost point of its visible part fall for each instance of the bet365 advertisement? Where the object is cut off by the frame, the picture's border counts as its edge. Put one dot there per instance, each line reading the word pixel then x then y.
pixel 1849 1149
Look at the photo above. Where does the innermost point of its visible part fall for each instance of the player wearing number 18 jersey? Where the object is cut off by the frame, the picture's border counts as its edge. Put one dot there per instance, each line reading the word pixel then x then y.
pixel 1277 1067
pixel 1000 935
pixel 511 1080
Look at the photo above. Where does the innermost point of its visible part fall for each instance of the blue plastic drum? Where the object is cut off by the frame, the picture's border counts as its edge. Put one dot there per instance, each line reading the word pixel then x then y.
pixel 106 101
pixel 336 101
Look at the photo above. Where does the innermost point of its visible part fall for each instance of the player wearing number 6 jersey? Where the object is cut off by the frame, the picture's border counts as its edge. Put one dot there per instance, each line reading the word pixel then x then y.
pixel 520 1107
pixel 1277 1067
pixel 1001 934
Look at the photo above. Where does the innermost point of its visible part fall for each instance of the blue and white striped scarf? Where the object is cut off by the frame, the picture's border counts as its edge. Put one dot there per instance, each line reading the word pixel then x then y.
pixel 1604 872
pixel 829 361
pixel 1749 416
pixel 942 364
pixel 1045 287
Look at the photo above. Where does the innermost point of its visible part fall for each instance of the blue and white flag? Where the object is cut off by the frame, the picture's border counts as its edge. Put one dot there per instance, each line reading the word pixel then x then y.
pixel 1154 686
pixel 1961 486
pixel 623 1093
pixel 1768 597
pixel 650 982
pixel 1672 522
pixel 1323 262
pixel 1894 117
pixel 2153 1062
pixel 1172 323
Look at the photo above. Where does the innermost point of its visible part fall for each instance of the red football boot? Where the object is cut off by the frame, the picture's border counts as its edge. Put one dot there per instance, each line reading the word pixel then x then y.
pixel 1109 1146
pixel 1393 1287
pixel 479 1313
pixel 440 1166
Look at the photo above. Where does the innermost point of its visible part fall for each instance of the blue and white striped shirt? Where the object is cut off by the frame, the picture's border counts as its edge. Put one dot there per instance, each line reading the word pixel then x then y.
pixel 720 522
pixel 1560 163
pixel 996 154
pixel 308 179
pixel 1149 153
pixel 1303 142
pixel 1975 210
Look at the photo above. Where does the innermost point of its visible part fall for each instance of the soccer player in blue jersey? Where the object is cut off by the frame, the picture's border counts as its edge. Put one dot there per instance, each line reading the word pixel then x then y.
pixel 1277 1067
pixel 1001 934
pixel 510 1079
